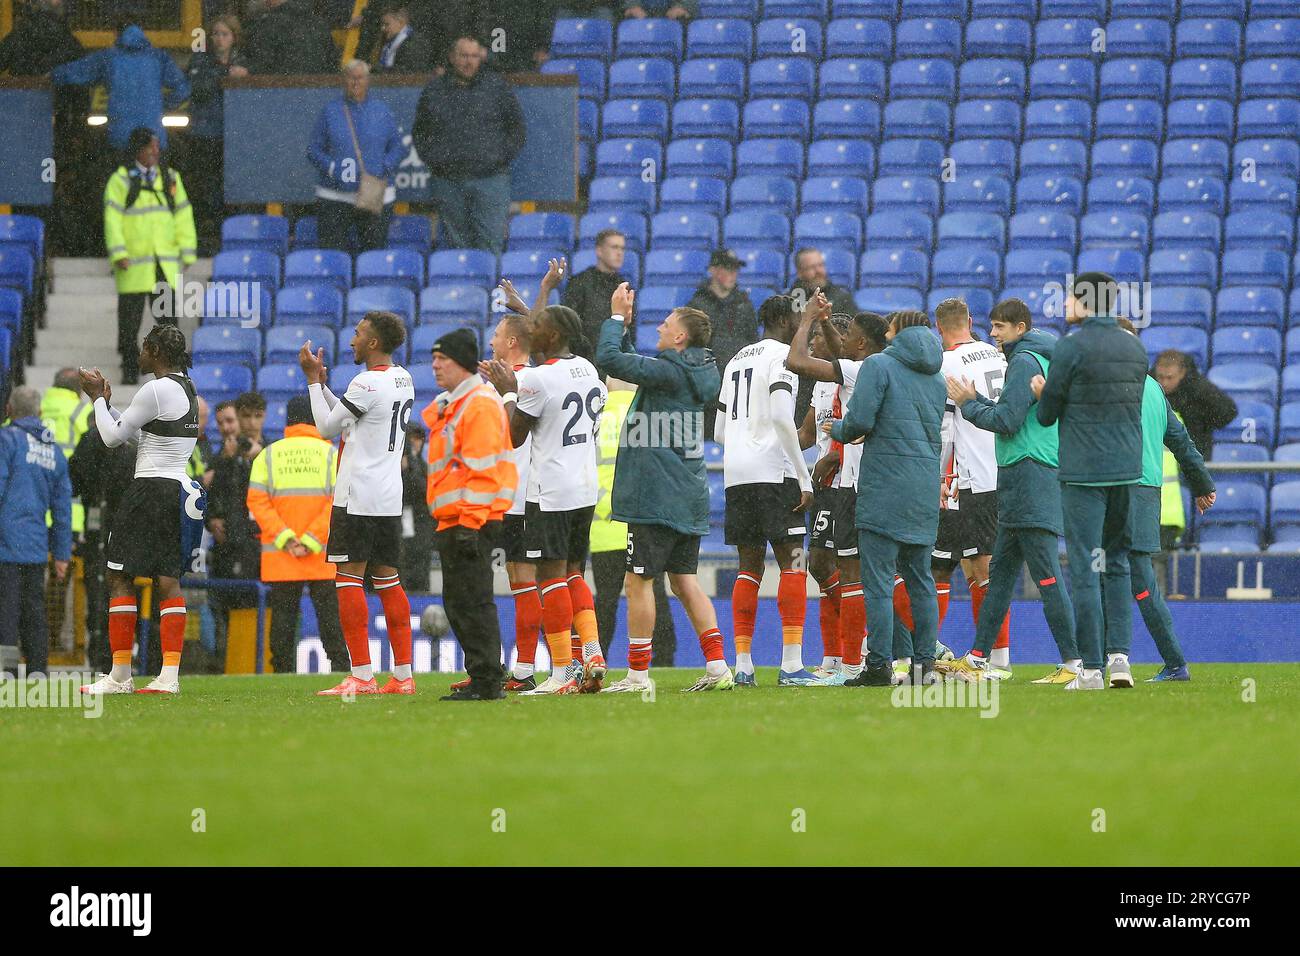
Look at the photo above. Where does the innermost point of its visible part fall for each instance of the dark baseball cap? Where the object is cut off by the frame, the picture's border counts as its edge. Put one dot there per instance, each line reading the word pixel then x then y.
pixel 726 259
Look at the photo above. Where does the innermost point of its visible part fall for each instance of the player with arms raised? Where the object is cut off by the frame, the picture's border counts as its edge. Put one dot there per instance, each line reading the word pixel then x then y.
pixel 366 523
pixel 158 526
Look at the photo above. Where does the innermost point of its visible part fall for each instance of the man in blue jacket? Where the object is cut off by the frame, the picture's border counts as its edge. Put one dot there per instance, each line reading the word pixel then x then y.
pixel 661 488
pixel 33 481
pixel 1094 389
pixel 135 72
pixel 897 405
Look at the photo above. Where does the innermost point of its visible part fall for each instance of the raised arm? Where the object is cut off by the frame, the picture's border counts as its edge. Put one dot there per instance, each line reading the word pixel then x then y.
pixel 1188 456
pixel 798 360
pixel 117 431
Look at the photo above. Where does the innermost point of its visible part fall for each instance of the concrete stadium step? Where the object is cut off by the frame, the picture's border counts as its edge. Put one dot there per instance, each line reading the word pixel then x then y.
pixel 81 285
pixel 85 266
pixel 77 303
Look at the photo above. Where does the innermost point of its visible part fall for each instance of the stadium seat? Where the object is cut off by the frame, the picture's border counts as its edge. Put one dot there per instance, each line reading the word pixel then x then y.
pixel 987 119
pixel 846 119
pixel 1272 37
pixel 1194 267
pixel 1064 79
pixel 305 233
pixel 757 229
pixel 838 230
pixel 851 78
pixel 243 265
pixel 582 37
pixel 763 267
pixel 650 37
pixel 1195 157
pixel 1060 157
pixel 657 301
pixel 906 193
pixel 837 157
pixel 1263 194
pixel 589 72
pixel 900 229
pixel 1288 453
pixel 1186 230
pixel 983 157
pixel 1291 377
pixel 859 37
pixel 700 157
pixel 997 37
pixel 684 230
pixel 1203 78
pixel 813 9
pixel 1256 267
pixel 1249 306
pixel 628 157
pixel 1254 425
pixel 309 305
pixel 894 267
pixel 1067 36
pixel 643 78
pixel 1270 76
pixel 783 36
pixel 991 194
pixel 1034 267
pixel 398 267
pixel 1056 118
pixel 1269 118
pixel 1212 118
pixel 1228 539
pixel 1248 343
pixel 1284 508
pixel 1062 194
pixel 721 38
pixel 923 78
pixel 316 266
pixel 26 231
pixel 967 267
pixel 1124 265
pixel 261 232
pixel 1114 230
pixel 1121 194
pixel 1207 37
pixel 464 266
pixel 926 37
pixel 694 193
pixel 777 118
pixel 621 193
pixel 914 118
pixel 707 118
pixel 1043 230
pixel 1138 37
pixel 712 77
pixel 220 382
pixel 383 298
pixel 284 340
pixel 835 194
pixel 1246 381
pixel 777 157
pixel 411 232
pixel 1122 78
pixel 675 267
pixel 527 265
pixel 883 300
pixel 642 119
pixel 1288 422
pixel 1237 452
pixel 992 79
pixel 459 303
pixel 1192 194
pixel 776 193
pixel 903 157
pixel 1237 503
pixel 1182 305
pixel 541 230
pixel 983 229
pixel 237 303
pixel 782 77
pixel 225 344
pixel 1129 118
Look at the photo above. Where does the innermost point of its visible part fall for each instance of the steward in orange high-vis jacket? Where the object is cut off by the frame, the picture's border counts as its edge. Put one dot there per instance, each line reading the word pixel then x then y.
pixel 471 487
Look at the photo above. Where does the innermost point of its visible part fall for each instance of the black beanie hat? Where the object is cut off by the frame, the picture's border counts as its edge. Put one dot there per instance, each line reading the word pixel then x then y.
pixel 461 346
pixel 1098 292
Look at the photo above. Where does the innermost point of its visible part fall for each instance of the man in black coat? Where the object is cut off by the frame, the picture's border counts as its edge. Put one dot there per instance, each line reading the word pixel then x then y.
pixel 1202 405
pixel 290 37
pixel 588 293
pixel 39 41
pixel 810 267
pixel 404 49
pixel 731 314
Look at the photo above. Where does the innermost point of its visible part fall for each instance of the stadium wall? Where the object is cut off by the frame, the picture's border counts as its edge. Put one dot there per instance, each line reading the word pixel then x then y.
pixel 26 171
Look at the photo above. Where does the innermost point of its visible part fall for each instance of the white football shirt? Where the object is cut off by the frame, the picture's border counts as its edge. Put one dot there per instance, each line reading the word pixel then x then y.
pixel 823 409
pixel 976 463
pixel 566 396
pixel 521 456
pixel 751 450
pixel 162 421
pixel 851 456
pixel 379 403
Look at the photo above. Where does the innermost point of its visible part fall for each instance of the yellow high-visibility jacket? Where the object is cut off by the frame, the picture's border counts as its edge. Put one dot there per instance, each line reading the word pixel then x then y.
pixel 148 230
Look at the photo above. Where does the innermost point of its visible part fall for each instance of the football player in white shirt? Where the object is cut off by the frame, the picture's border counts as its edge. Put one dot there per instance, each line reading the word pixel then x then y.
pixel 768 488
pixel 968 530
pixel 158 527
pixel 558 403
pixel 366 523
pixel 864 337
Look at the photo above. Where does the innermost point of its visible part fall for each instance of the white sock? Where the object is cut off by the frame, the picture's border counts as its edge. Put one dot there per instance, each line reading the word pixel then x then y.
pixel 1073 664
pixel 850 670
pixel 1000 657
pixel 715 668
pixel 830 663
pixel 522 671
pixel 744 663
pixel 402 671
pixel 364 672
pixel 791 658
pixel 170 673
pixel 120 673
pixel 591 649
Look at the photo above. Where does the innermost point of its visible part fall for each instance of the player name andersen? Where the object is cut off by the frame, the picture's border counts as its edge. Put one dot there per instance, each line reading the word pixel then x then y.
pixel 77 909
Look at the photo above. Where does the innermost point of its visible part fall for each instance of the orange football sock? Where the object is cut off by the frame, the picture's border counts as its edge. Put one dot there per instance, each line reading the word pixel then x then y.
pixel 711 645
pixel 354 617
pixel 853 622
pixel 122 614
pixel 903 604
pixel 528 622
pixel 638 654
pixel 397 616
pixel 830 610
pixel 792 605
pixel 557 621
pixel 584 614
pixel 744 610
pixel 941 591
pixel 171 627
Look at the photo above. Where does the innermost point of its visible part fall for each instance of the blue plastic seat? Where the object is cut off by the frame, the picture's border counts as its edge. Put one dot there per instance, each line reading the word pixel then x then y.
pixel 923 36
pixel 1284 509
pixel 1263 194
pixel 776 193
pixel 1160 338
pixel 1195 156
pixel 881 9
pixel 411 232
pixel 1115 230
pixel 281 382
pixel 1237 503
pixel 763 267
pixel 998 37
pixel 720 37
pixel 1043 230
pixel 987 119
pixel 1030 267
pixel 1157 9
pixel 26 231
pixel 902 157
pixel 991 194
pixel 786 36
pixel 309 305
pixel 1257 268
pixel 1289 452
pixel 226 344
pixel 1056 118
pixel 1188 267
pixel 851 78
pixel 777 118
pixel 711 77
pixel 839 157
pixel 243 265
pixel 422 340
pixel 854 36
pixel 650 37
pixel 1290 376
pixel 923 78
pixel 1186 230
pixel 640 119
pixel 527 265
pixel 1140 77
pixel 1259 230
pixel 463 266
pixel 712 118
pixel 381 298
pixel 1207 36
pixel 984 157
pixel 1262 308
pixel 1120 194
pixel 907 193
pixel 782 77
pixel 628 157
pixel 219 382
pixel 284 340
pixel 993 79
pixel 1236 452
pixel 900 229
pixel 840 230
pixel 894 267
pixel 1063 78
pixel 1192 193
pixel 1124 265
pixel 656 301
pixel 1049 194
pixel 643 78
pixel 814 9
pixel 262 232
pixel 583 37
pixel 238 303
pixel 756 229
pixel 1203 78
pixel 916 118
pixel 1269 118
pixel 846 119
pixel 1270 77
pixel 399 267
pixel 700 157
pixel 1278 36
pixel 305 233
pixel 1199 117
pixel 1139 37
pixel 684 230
pixel 589 72
pixel 1288 422
pixel 1020 9
pixel 884 299
pixel 675 267
pixel 1246 381
pixel 697 193
pixel 967 267
pixel 777 157
pixel 1129 118
pixel 1053 157
pixel 1181 305
pixel 456 304
pixel 1228 539
pixel 1066 36
pixel 625 193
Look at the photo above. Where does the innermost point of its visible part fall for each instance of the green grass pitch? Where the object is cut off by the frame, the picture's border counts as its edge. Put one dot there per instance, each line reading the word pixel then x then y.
pixel 1185 774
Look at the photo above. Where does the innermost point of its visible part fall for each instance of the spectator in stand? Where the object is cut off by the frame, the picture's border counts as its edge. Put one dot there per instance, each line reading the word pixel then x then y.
pixel 135 73
pixel 33 481
pixel 438 23
pixel 418 525
pixel 526 26
pixel 672 9
pixel 290 37
pixel 404 50
pixel 588 293
pixel 66 412
pixel 810 267
pixel 731 314
pixel 1202 405
pixel 39 41
pixel 198 464
pixel 355 142
pixel 600 9
pixel 149 232
pixel 468 129
pixel 227 438
pixel 207 69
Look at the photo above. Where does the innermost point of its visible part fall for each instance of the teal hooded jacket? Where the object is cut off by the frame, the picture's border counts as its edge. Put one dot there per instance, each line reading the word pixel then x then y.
pixel 897 404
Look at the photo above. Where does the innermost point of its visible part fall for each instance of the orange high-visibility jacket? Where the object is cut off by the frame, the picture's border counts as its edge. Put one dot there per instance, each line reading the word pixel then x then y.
pixel 471 477
pixel 290 494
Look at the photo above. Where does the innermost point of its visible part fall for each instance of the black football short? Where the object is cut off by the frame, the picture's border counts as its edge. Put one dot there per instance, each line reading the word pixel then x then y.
pixel 512 538
pixel 557 535
pixel 968 531
pixel 821 519
pixel 655 548
pixel 145 539
pixel 844 511
pixel 761 513
pixel 374 539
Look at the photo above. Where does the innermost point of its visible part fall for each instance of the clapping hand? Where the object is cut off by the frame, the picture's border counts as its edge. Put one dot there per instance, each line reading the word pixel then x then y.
pixel 312 363
pixel 621 302
pixel 514 302
pixel 500 374
pixel 94 384
pixel 555 269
